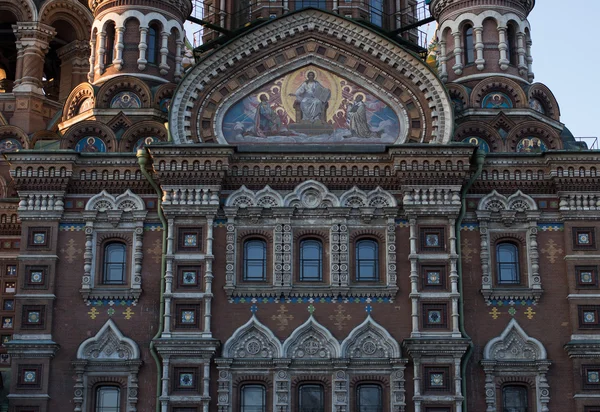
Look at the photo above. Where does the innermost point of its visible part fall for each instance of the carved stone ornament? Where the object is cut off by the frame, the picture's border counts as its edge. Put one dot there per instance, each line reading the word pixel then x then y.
pixel 370 340
pixel 252 340
pixel 108 344
pixel 311 340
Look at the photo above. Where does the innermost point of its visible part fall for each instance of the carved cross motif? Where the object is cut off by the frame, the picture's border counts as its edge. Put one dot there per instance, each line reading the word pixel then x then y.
pixel 312 346
pixel 340 317
pixel 282 318
pixel 156 251
pixel 468 250
pixel 552 251
pixel 71 251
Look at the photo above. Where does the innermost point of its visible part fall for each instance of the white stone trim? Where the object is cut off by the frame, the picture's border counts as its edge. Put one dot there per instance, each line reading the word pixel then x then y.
pixel 311 340
pixel 252 340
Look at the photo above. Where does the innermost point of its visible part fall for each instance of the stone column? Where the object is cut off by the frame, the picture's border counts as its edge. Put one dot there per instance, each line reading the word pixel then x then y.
pixel 521 53
pixel 178 58
pixel 479 60
pixel 33 40
pixel 74 66
pixel 143 46
pixel 458 52
pixel 119 46
pixel 503 47
pixel 99 69
pixel 529 58
pixel 92 58
pixel 164 49
pixel 443 59
pixel 414 278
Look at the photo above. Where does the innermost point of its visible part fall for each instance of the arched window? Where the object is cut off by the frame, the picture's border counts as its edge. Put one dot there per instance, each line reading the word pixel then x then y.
pixel 469 45
pixel 311 260
pixel 369 398
pixel 367 261
pixel 254 398
pixel 115 258
pixel 108 399
pixel 511 42
pixel 109 44
pixel 255 260
pixel 507 258
pixel 514 398
pixel 311 398
pixel 153 47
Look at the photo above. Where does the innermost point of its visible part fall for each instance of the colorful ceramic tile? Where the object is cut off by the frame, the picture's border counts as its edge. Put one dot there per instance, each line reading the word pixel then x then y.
pixel 10 287
pixel 29 376
pixel 586 277
pixel 9 304
pixel 36 276
pixel 39 238
pixel 432 240
pixel 496 100
pixel 436 380
pixel 189 277
pixel 433 278
pixel 589 317
pixel 188 316
pixel 125 100
pixel 90 144
pixel 583 238
pixel 34 317
pixel 11 270
pixel 593 376
pixel 7 323
pixel 434 316
pixel 190 240
pixel 186 380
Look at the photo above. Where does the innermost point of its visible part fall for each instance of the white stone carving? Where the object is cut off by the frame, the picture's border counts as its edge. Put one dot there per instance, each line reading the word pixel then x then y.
pixel 108 344
pixel 252 340
pixel 266 197
pixel 579 202
pixel 185 195
pixel 356 198
pixel 518 202
pixel 311 340
pixel 311 195
pixel 104 201
pixel 519 356
pixel 370 340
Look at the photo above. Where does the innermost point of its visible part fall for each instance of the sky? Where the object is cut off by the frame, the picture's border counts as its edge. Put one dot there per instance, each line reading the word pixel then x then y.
pixel 564 58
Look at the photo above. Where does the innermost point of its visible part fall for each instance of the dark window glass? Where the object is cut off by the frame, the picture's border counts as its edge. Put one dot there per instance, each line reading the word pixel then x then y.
pixel 152 44
pixel 311 261
pixel 507 256
pixel 367 253
pixel 369 398
pixel 107 399
pixel 512 44
pixel 114 263
pixel 109 44
pixel 514 399
pixel 255 260
pixel 254 398
pixel 469 45
pixel 377 12
pixel 321 4
pixel 311 398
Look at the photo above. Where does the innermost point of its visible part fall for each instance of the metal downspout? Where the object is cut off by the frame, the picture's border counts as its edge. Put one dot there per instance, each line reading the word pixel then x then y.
pixel 143 157
pixel 478 161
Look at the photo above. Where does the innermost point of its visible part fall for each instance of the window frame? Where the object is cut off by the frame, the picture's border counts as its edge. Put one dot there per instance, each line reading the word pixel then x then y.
pixel 264 396
pixel 246 260
pixel 469 43
pixel 514 385
pixel 96 398
pixel 375 260
pixel 109 43
pixel 357 395
pixel 313 384
pixel 153 52
pixel 105 263
pixel 499 263
pixel 301 261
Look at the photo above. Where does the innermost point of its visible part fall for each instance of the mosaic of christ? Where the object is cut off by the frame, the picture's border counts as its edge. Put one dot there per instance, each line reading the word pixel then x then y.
pixel 311 105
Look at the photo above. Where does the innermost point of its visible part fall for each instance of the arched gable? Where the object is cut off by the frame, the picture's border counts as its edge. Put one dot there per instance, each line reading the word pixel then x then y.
pixel 311 340
pixel 266 197
pixel 311 194
pixel 252 340
pixel 370 340
pixel 499 84
pixel 72 11
pixel 514 345
pixel 496 202
pixel 109 344
pixel 126 201
pixel 322 40
pixel 24 10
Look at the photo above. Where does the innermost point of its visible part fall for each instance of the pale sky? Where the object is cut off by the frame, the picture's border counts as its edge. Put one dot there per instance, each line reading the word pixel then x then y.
pixel 565 58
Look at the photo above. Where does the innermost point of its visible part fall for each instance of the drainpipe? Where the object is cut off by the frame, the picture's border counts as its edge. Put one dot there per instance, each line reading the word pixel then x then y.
pixel 478 161
pixel 143 157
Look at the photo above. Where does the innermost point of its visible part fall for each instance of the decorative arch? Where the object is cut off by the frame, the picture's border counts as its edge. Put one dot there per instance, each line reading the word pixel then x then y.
pixel 370 340
pixel 549 136
pixel 104 201
pixel 24 10
pixel 311 340
pixel 311 194
pixel 482 131
pixel 80 93
pixel 458 93
pixel 203 90
pixel 496 202
pixel 244 197
pixel 147 128
pixel 91 128
pixel 71 11
pixel 164 91
pixel 546 97
pixel 252 340
pixel 120 84
pixel 109 344
pixel 477 20
pixel 14 132
pixel 499 84
pixel 520 358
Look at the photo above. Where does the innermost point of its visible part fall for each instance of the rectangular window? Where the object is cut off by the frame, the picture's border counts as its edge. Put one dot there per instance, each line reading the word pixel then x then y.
pixel 433 277
pixel 432 239
pixel 591 377
pixel 311 398
pixel 311 261
pixel 435 315
pixel 584 238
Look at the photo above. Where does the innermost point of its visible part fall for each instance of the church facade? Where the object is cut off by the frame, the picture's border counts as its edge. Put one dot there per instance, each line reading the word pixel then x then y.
pixel 307 217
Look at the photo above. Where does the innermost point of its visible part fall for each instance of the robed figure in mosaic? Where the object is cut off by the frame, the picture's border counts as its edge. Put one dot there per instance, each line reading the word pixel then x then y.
pixel 313 98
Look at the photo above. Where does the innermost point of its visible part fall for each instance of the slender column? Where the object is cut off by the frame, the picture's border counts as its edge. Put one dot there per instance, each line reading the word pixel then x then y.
pixel 206 385
pixel 101 53
pixel 454 279
pixel 417 383
pixel 443 59
pixel 286 6
pixel 458 383
pixel 529 59
pixel 414 278
pixel 335 6
pixel 458 52
pixel 118 61
pixel 165 384
pixel 480 61
pixel 521 53
pixel 143 46
pixel 92 58
pixel 168 280
pixel 178 59
pixel 222 13
pixel 208 275
pixel 503 47
pixel 34 39
pixel 164 67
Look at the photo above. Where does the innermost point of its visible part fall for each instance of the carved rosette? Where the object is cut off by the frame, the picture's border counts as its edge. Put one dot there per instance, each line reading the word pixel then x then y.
pixel 340 391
